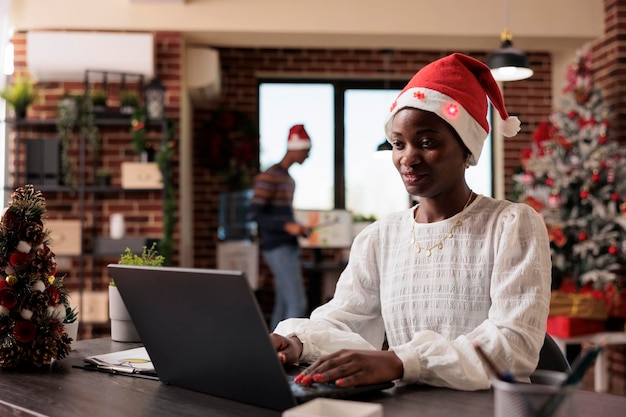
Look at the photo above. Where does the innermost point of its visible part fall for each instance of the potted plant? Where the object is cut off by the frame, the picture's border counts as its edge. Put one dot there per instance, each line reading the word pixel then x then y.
pixel 122 327
pixel 99 100
pixel 103 177
pixel 20 94
pixel 68 106
pixel 70 322
pixel 129 101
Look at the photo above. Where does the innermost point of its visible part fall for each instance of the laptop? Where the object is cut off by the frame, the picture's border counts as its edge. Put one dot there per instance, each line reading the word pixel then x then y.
pixel 204 331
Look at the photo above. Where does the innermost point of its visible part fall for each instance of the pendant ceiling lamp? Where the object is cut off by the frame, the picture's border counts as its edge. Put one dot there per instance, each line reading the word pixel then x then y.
pixel 508 63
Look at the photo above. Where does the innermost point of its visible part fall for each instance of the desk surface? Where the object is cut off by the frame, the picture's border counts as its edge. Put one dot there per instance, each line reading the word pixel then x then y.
pixel 64 391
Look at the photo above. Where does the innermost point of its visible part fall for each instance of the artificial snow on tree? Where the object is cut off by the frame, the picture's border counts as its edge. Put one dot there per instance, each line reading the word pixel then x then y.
pixel 575 177
pixel 33 302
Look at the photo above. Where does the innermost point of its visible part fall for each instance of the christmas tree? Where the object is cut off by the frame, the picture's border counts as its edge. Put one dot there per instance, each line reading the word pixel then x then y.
pixel 33 302
pixel 575 177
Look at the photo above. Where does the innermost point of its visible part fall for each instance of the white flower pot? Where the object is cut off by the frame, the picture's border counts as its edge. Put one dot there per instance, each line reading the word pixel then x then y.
pixel 72 330
pixel 122 327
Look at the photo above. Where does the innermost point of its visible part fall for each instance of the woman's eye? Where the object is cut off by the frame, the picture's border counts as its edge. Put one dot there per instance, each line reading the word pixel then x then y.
pixel 426 143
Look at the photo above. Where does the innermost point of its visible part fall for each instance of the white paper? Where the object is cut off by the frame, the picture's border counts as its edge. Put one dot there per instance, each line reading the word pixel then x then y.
pixel 136 358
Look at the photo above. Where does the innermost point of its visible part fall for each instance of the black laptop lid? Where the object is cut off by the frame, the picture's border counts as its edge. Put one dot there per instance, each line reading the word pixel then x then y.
pixel 204 331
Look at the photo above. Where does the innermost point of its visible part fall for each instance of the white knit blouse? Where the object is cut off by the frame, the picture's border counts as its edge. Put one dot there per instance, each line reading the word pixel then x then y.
pixel 490 283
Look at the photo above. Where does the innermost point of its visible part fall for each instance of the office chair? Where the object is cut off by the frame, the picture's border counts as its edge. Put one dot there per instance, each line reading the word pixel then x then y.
pixel 551 358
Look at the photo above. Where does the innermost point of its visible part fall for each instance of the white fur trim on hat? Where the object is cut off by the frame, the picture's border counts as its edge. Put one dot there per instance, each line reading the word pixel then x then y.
pixel 471 132
pixel 297 143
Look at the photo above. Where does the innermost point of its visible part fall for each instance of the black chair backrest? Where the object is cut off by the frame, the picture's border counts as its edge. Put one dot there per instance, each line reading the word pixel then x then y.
pixel 551 358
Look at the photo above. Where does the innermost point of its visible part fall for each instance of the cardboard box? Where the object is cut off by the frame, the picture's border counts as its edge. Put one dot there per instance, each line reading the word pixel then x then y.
pixel 563 326
pixel 66 236
pixel 141 175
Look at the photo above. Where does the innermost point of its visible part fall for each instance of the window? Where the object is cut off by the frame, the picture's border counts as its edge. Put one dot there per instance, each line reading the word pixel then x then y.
pixel 345 121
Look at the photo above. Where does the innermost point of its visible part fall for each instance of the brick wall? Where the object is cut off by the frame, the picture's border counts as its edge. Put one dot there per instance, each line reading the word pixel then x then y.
pixel 143 212
pixel 609 66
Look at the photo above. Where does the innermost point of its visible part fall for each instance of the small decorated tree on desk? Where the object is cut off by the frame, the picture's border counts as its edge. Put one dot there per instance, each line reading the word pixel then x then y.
pixel 33 302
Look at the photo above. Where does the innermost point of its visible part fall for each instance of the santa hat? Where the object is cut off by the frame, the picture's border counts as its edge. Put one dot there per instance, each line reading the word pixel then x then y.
pixel 298 139
pixel 456 89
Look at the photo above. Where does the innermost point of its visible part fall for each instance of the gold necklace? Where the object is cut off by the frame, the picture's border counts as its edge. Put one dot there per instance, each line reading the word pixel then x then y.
pixel 439 244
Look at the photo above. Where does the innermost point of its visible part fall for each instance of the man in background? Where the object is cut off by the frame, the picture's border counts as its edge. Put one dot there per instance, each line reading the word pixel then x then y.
pixel 272 209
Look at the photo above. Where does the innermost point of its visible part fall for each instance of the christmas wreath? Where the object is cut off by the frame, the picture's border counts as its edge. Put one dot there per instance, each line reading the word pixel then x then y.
pixel 33 301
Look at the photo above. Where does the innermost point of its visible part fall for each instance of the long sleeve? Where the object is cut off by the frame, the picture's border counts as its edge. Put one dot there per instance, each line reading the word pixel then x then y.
pixel 489 283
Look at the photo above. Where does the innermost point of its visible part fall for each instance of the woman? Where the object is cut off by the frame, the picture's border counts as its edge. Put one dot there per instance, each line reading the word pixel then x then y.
pixel 455 269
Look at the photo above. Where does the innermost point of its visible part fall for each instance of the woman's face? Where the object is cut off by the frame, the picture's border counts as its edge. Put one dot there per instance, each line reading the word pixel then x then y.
pixel 427 153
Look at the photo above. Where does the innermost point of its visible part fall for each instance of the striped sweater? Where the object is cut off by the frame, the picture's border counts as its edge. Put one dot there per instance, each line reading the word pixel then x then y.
pixel 271 206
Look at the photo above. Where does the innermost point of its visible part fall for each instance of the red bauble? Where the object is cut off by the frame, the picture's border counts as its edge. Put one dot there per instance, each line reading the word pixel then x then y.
pixel 584 194
pixel 582 236
pixel 613 250
pixel 595 177
pixel 549 182
pixel 615 197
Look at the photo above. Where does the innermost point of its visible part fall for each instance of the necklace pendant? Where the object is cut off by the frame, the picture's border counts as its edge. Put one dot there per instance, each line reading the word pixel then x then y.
pixel 428 252
pixel 418 249
pixel 449 235
pixel 440 245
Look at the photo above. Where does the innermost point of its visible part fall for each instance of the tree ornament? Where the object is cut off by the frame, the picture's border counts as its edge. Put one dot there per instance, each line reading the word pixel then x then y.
pixel 582 236
pixel 549 182
pixel 584 194
pixel 575 160
pixel 615 197
pixel 613 250
pixel 554 201
pixel 595 176
pixel 528 178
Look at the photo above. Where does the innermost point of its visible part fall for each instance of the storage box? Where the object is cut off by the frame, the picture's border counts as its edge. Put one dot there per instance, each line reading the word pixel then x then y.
pixel 563 326
pixel 141 175
pixel 42 161
pixel 328 407
pixel 66 236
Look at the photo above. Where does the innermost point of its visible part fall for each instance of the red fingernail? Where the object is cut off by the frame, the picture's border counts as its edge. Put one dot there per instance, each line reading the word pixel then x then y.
pixel 340 382
pixel 318 377
pixel 307 380
pixel 298 378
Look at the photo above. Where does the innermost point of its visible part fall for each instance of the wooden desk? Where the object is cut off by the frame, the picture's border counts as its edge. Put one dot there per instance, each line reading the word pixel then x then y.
pixel 63 391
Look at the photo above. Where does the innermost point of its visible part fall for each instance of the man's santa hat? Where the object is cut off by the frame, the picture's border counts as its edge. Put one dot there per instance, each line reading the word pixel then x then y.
pixel 456 89
pixel 298 139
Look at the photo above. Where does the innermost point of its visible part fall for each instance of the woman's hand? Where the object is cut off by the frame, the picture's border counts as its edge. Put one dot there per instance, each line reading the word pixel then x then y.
pixel 348 368
pixel 289 348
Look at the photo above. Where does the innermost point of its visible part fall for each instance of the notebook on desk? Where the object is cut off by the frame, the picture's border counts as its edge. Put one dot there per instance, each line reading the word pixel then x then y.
pixel 204 331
